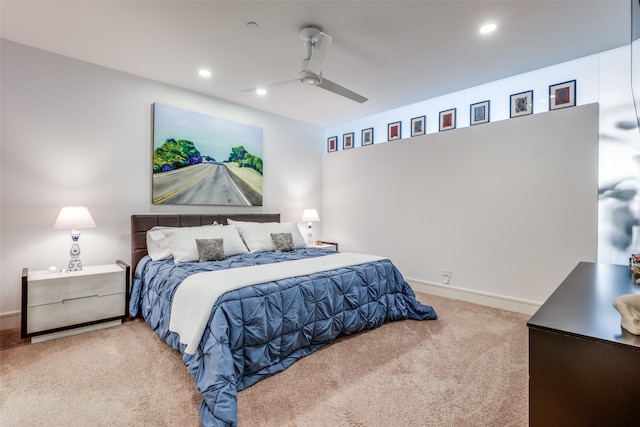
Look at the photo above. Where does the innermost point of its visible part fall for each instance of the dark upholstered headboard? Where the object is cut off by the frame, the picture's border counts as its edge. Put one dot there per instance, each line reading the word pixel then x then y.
pixel 141 223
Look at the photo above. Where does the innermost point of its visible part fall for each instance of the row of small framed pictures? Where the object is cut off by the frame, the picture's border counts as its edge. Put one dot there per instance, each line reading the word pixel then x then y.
pixel 561 95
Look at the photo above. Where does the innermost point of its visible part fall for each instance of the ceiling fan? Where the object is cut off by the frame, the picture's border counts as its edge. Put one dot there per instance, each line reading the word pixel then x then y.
pixel 317 44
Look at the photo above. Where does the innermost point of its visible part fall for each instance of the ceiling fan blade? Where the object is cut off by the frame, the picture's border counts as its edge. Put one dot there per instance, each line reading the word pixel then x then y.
pixel 337 89
pixel 319 53
pixel 283 83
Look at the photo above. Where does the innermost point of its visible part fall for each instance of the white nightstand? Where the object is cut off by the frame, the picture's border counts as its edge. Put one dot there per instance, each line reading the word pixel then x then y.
pixel 326 245
pixel 57 304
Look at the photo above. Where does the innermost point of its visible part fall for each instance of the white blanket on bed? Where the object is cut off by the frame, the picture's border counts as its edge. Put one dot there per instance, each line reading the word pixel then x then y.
pixel 196 295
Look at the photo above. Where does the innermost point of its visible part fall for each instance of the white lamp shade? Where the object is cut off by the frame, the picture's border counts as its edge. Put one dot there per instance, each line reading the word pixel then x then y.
pixel 74 218
pixel 310 215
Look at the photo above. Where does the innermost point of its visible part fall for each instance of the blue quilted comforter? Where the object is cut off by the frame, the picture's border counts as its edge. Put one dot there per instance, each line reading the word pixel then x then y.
pixel 260 330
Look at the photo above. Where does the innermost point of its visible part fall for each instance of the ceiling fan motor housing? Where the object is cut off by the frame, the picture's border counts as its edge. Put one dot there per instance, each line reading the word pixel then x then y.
pixel 310 33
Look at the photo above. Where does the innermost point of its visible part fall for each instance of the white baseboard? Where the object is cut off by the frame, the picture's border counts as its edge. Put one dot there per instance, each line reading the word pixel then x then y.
pixel 476 297
pixel 75 331
pixel 10 320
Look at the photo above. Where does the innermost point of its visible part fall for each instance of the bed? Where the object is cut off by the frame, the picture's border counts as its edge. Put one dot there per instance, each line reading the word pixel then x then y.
pixel 240 315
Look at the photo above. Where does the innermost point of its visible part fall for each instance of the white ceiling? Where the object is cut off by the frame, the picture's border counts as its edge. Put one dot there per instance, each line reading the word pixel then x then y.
pixel 393 52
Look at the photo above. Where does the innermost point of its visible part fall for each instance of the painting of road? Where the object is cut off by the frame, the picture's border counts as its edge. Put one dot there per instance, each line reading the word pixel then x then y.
pixel 205 160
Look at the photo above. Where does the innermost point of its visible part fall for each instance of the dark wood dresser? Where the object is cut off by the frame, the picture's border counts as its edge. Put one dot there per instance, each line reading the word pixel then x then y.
pixel 584 369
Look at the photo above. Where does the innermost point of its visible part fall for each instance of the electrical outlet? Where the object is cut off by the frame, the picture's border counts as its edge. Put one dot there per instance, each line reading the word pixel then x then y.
pixel 446 276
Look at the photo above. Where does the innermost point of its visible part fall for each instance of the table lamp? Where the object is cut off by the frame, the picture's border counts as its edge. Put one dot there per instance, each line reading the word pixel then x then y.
pixel 74 218
pixel 309 216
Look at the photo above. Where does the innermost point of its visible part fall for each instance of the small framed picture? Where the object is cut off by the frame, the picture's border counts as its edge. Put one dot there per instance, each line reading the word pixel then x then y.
pixel 418 125
pixel 448 119
pixel 479 113
pixel 562 95
pixel 394 131
pixel 332 144
pixel 521 104
pixel 367 136
pixel 347 141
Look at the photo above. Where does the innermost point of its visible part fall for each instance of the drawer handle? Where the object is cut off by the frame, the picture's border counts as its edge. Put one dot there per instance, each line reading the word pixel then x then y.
pixel 74 299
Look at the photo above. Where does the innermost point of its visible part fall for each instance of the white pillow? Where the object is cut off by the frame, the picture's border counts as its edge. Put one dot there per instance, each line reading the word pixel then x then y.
pixel 257 236
pixel 235 221
pixel 157 245
pixel 182 241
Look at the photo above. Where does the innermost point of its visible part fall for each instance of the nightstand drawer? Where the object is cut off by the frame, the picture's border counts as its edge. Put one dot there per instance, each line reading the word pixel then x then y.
pixel 64 286
pixel 75 311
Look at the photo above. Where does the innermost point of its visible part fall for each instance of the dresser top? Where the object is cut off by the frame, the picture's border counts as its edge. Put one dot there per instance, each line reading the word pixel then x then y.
pixel 92 269
pixel 583 304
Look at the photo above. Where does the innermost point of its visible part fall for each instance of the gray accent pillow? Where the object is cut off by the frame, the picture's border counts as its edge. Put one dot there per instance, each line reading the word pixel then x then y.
pixel 210 250
pixel 282 242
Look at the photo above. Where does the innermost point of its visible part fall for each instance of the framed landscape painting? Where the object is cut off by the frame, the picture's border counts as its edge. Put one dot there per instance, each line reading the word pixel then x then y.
pixel 205 160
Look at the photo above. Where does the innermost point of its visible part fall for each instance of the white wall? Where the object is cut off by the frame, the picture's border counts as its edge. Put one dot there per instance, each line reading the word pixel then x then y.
pixel 510 206
pixel 604 78
pixel 78 134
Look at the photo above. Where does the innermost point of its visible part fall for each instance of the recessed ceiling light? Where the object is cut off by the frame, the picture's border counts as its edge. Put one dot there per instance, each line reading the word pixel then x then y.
pixel 261 91
pixel 204 73
pixel 488 28
pixel 252 25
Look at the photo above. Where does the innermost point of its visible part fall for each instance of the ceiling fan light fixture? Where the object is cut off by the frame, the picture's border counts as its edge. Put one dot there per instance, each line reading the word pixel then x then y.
pixel 261 91
pixel 310 80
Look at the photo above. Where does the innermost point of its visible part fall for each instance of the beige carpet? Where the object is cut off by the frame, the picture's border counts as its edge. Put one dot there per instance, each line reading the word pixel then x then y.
pixel 468 368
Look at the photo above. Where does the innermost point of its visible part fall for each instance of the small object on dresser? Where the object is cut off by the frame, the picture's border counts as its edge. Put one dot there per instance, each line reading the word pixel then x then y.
pixel 628 306
pixel 634 264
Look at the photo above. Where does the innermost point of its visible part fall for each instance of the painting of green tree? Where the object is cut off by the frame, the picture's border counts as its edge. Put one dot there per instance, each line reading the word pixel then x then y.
pixel 204 160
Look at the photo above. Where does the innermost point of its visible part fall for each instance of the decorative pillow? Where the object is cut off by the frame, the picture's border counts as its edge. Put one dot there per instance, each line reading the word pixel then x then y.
pixel 210 250
pixel 257 236
pixel 182 241
pixel 157 245
pixel 282 242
